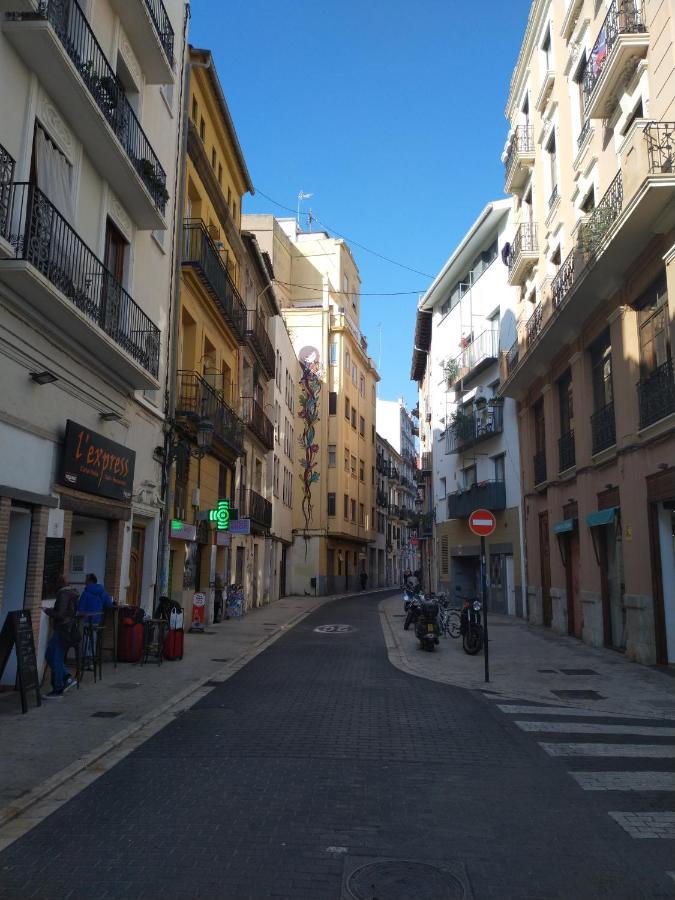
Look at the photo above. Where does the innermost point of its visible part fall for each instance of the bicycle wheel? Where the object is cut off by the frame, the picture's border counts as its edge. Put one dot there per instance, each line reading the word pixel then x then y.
pixel 454 622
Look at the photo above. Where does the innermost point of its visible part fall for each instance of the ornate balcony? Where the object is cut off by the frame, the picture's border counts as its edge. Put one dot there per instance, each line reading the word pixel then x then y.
pixel 539 465
pixel 256 334
pixel 55 272
pixel 201 254
pixel 534 323
pixel 656 395
pixel 468 430
pixel 484 495
pixel 257 509
pixel 381 499
pixel 254 418
pixel 6 179
pixel 57 43
pixel 566 451
pixel 523 253
pixel 196 399
pixel 622 41
pixel 426 525
pixel 478 355
pixel 148 27
pixel 426 462
pixel 603 428
pixel 519 159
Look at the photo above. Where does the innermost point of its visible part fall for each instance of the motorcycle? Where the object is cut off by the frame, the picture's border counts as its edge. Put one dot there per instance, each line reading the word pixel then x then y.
pixel 470 627
pixel 423 613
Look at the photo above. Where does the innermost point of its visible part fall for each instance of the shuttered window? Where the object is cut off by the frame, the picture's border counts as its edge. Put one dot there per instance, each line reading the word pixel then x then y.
pixel 445 556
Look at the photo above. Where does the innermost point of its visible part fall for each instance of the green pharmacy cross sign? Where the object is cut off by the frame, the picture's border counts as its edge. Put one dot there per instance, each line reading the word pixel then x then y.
pixel 221 515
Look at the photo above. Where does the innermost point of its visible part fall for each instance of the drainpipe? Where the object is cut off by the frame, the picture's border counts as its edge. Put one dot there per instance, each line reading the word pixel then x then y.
pixel 162 578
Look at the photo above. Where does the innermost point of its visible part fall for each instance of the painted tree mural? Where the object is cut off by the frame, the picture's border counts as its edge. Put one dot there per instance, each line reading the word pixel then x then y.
pixel 310 388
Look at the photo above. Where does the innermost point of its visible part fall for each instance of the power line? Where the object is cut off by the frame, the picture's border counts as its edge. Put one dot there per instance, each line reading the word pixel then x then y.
pixel 309 287
pixel 346 238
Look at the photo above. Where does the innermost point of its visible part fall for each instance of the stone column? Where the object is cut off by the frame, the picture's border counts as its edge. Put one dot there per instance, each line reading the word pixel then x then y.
pixel 625 373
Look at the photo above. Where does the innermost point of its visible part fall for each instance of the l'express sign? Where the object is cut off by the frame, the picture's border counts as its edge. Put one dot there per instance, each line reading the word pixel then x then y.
pixel 95 464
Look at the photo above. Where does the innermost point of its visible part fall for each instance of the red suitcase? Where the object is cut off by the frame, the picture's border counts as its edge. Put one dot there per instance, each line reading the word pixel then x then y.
pixel 130 642
pixel 173 644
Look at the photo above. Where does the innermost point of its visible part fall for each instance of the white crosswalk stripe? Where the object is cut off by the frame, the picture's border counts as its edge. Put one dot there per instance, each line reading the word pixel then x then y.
pixel 625 781
pixel 650 751
pixel 575 712
pixel 596 728
pixel 647 825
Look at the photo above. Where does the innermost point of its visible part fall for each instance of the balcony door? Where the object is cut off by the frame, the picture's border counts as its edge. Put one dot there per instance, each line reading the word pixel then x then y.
pixel 652 310
pixel 114 261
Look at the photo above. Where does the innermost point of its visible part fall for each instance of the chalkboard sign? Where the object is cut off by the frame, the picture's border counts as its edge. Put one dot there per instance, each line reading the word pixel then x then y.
pixel 17 632
pixel 55 557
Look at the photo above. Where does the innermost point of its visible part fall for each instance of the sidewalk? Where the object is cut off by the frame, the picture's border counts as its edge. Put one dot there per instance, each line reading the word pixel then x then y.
pixel 528 662
pixel 64 741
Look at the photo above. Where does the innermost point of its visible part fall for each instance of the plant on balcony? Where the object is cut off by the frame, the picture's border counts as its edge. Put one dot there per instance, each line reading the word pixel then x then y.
pixel 153 180
pixel 450 371
pixel 496 402
pixel 480 401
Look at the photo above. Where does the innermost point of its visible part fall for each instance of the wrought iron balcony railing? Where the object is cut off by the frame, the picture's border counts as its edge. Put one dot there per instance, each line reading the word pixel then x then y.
pixel 623 17
pixel 656 394
pixel 512 357
pixel 73 30
pixel 534 323
pixel 257 509
pixel 467 430
pixel 484 495
pixel 583 134
pixel 382 499
pixel 254 418
pixel 522 142
pixel 6 179
pixel 539 463
pixel 553 197
pixel 394 510
pixel 661 147
pixel 426 461
pixel 525 241
pixel 256 333
pixel 479 353
pixel 41 236
pixel 200 252
pixel 603 428
pixel 426 525
pixel 566 451
pixel 196 399
pixel 162 23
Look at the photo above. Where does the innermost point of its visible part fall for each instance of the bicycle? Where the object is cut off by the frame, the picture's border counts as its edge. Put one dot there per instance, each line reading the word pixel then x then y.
pixel 449 618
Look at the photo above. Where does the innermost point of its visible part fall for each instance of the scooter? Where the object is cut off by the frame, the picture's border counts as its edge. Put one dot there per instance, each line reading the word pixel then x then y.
pixel 470 626
pixel 423 614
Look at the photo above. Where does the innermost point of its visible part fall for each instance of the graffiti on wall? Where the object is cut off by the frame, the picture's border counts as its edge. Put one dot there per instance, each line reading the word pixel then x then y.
pixel 310 388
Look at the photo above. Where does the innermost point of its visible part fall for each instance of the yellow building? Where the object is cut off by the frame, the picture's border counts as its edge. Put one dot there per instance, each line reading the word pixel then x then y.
pixel 333 486
pixel 212 331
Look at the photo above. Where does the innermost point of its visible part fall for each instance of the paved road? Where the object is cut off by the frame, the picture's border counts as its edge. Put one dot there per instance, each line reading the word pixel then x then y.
pixel 318 760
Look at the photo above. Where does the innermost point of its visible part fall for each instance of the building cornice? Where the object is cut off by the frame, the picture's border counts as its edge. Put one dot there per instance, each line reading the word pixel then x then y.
pixel 538 10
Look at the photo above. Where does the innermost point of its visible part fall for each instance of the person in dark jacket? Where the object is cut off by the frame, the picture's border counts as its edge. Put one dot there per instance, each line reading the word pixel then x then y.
pixel 93 600
pixel 64 618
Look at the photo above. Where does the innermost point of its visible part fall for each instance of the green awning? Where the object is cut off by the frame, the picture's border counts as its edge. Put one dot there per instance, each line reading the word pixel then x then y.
pixel 602 517
pixel 565 526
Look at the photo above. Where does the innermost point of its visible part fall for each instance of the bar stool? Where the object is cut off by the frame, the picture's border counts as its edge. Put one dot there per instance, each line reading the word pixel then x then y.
pixel 92 649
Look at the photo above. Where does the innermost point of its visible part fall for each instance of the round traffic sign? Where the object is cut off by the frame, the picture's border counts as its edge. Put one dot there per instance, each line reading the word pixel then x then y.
pixel 482 522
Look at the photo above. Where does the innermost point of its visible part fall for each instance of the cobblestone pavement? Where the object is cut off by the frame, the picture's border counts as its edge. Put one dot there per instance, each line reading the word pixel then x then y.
pixel 317 762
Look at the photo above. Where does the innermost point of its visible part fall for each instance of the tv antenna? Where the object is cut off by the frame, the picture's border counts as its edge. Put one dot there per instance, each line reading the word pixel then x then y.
pixel 302 196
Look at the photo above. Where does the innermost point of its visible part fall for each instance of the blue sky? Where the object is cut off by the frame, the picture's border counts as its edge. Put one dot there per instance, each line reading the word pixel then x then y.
pixel 390 113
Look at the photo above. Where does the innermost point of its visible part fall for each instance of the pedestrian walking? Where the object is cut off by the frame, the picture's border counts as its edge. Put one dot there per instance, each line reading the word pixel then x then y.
pixel 364 580
pixel 65 635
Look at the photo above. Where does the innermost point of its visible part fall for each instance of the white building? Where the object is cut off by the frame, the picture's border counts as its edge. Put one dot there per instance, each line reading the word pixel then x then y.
pixel 89 146
pixel 470 431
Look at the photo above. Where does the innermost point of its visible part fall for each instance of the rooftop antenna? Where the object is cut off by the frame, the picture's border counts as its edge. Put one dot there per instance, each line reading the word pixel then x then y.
pixel 310 219
pixel 302 196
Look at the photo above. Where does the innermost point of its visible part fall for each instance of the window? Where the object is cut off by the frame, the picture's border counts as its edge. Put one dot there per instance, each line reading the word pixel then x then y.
pixel 362 514
pixel 469 475
pixel 352 504
pixel 346 459
pixel 333 354
pixel 601 371
pixel 275 476
pixel 347 363
pixel 566 403
pixel 445 555
pixel 213 158
pixel 352 466
pixel 194 110
pixel 652 310
pixel 546 50
pixel 539 426
pixel 637 113
pixel 220 173
pixel 362 386
pixel 578 79
pixel 443 488
pixel 354 417
pixel 332 455
pixel 499 468
pixel 588 203
pixel 362 470
pixel 202 129
pixel 332 403
pixel 372 433
pixel 362 426
pixel 277 417
pixel 553 166
pixel 347 408
pixel 353 299
pixel 354 373
pixel 331 504
pixel 346 506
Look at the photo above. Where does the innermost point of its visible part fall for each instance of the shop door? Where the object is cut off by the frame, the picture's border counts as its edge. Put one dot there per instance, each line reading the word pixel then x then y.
pixel 545 564
pixel 497 584
pixel 574 612
pixel 14 587
pixel 612 587
pixel 282 571
pixel 134 592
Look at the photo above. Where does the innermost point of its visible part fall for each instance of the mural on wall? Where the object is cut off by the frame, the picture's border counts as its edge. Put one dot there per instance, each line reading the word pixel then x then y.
pixel 310 388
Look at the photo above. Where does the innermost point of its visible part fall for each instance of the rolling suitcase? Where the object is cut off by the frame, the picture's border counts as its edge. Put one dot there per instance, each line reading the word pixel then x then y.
pixel 173 643
pixel 130 636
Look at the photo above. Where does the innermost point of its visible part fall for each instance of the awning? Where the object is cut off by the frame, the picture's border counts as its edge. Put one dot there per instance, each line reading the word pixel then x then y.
pixel 565 526
pixel 602 517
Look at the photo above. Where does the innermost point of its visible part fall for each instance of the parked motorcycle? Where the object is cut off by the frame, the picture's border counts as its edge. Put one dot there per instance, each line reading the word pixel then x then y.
pixel 471 627
pixel 423 613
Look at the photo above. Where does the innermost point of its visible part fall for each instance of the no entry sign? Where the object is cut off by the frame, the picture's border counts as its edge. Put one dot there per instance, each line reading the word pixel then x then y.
pixel 482 522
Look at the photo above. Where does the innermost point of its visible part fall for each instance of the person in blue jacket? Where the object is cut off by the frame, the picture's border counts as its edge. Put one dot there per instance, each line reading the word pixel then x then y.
pixel 93 600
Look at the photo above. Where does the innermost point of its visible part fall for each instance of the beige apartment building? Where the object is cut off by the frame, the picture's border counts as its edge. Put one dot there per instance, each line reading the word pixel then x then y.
pixel 590 162
pixel 318 284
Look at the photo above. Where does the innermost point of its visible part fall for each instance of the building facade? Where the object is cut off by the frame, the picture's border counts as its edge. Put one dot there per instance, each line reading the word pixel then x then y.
pixel 589 163
pixel 89 141
pixel 470 432
pixel 334 496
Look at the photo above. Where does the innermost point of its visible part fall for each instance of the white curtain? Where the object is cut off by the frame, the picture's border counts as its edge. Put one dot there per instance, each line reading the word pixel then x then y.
pixel 54 175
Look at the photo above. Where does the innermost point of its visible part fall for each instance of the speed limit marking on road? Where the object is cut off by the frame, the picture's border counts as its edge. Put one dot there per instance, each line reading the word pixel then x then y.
pixel 334 629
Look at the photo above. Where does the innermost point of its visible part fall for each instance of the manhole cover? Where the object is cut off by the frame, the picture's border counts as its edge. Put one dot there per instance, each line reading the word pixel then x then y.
pixel 105 714
pixel 393 879
pixel 579 695
pixel 578 672
pixel 334 629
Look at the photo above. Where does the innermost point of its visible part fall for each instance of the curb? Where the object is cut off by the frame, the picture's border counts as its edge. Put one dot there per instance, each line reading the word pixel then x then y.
pixel 183 700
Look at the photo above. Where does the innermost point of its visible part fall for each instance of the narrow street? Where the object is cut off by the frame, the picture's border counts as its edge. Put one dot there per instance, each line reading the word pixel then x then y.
pixel 320 758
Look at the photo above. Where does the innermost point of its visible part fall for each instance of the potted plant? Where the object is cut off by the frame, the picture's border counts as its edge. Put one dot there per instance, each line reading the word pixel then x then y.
pixel 496 401
pixel 450 371
pixel 480 401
